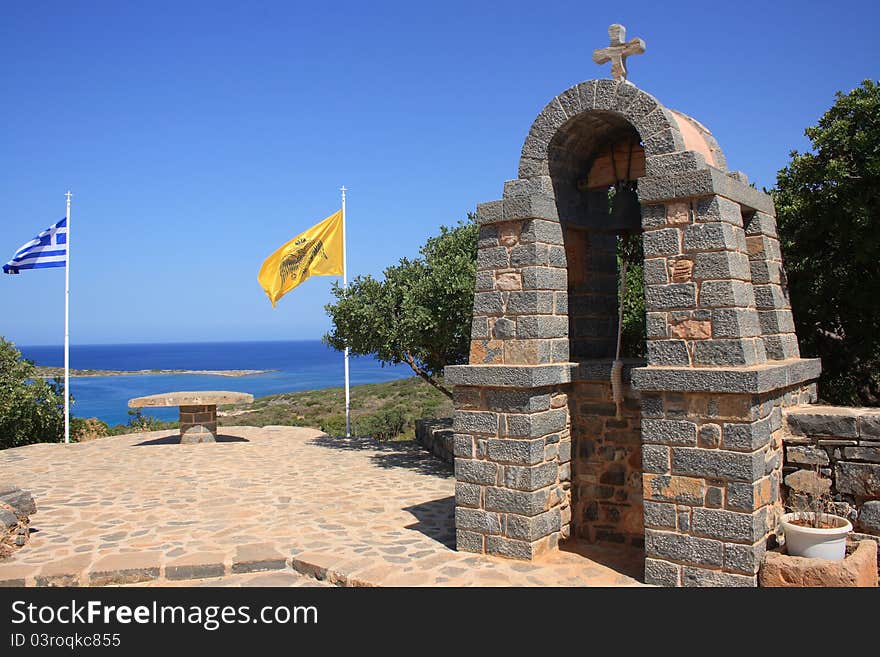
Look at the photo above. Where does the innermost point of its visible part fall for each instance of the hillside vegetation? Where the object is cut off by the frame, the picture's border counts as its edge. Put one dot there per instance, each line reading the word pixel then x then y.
pixel 382 410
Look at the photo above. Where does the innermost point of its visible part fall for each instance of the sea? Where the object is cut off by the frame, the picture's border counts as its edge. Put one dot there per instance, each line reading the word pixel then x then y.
pixel 295 366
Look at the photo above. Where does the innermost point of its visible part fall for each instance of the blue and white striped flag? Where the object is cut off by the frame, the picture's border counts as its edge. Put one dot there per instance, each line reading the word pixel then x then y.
pixel 48 249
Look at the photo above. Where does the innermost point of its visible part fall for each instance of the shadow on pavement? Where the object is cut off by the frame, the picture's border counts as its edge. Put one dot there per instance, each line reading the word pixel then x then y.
pixel 175 440
pixel 435 520
pixel 391 454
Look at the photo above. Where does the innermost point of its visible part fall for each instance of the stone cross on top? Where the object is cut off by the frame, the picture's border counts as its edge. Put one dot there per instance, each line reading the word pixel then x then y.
pixel 618 51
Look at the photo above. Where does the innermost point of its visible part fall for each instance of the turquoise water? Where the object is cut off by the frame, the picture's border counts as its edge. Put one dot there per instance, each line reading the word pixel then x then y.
pixel 299 365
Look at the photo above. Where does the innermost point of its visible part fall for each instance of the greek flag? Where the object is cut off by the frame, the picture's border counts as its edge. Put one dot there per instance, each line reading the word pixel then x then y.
pixel 48 249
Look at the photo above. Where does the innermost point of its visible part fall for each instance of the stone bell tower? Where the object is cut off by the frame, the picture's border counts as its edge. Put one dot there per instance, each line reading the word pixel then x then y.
pixel 690 468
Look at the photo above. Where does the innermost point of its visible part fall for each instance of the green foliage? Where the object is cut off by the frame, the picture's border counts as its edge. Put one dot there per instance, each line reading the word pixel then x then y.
pixel 383 425
pixel 633 335
pixel 90 428
pixel 420 314
pixel 138 422
pixel 828 205
pixel 31 408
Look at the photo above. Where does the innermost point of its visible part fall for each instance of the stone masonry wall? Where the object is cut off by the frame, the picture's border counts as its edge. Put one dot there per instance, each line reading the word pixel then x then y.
pixel 436 436
pixel 606 465
pixel 844 443
pixel 512 470
pixel 712 470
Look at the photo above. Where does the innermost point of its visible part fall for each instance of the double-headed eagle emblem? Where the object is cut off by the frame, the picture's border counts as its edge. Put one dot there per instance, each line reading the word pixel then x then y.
pixel 296 263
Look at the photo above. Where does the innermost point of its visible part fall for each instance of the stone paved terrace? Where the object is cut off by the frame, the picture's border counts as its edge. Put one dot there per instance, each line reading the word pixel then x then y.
pixel 141 507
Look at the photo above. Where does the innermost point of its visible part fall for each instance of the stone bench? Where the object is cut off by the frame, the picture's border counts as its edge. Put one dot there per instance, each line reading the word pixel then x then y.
pixel 198 410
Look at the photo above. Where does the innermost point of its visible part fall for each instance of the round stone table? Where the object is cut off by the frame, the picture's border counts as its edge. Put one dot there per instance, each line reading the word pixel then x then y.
pixel 198 410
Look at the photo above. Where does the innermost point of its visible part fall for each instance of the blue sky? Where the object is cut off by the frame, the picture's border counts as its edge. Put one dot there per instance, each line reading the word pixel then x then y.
pixel 198 137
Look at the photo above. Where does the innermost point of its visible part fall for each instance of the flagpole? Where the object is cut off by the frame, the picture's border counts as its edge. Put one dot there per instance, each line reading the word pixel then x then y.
pixel 67 328
pixel 345 287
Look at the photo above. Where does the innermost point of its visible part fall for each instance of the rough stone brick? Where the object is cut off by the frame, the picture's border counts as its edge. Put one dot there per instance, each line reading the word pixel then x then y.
pixel 541 326
pixel 467 494
pixel 770 296
pixel 725 352
pixel 468 541
pixel 729 525
pixel 492 258
pixel 671 488
pixel 656 325
pixel 666 297
pixel 669 432
pixel 717 464
pixel 535 425
pixel 538 230
pixel 488 303
pixel 746 437
pixel 654 215
pixel 514 501
pixel 762 224
pixel 735 323
pixel 476 472
pixel 530 478
pixel 503 328
pixel 859 479
pixel 869 517
pixel 709 436
pixel 659 515
pixel 477 520
pixel 479 328
pixel 519 452
pixel 655 459
pixel 712 236
pixel 869 425
pixel 751 496
pixel 532 206
pixel 776 321
pixel 744 558
pixel 507 400
pixel 839 422
pixel 722 265
pixel 667 352
pixel 661 242
pixel 530 302
pixel 530 255
pixel 806 455
pixel 717 208
pixel 656 272
pixel 475 422
pixel 871 454
pixel 671 163
pixel 544 278
pixel 463 445
pixel 661 573
pixel 556 257
pixel 510 548
pixel 781 347
pixel 717 294
pixel 692 577
pixel 681 547
pixel 490 212
pixel 531 529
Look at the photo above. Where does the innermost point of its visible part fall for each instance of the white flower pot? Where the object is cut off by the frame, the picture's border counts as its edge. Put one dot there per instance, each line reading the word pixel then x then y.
pixel 816 543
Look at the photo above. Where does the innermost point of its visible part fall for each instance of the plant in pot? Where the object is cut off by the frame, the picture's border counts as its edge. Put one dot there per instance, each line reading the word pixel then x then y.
pixel 810 530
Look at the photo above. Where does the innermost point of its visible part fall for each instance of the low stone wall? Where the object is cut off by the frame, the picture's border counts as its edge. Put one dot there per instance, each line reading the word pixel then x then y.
pixel 845 444
pixel 436 435
pixel 16 505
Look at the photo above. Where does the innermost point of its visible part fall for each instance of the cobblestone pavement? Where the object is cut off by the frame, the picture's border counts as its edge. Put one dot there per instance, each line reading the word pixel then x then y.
pixel 141 507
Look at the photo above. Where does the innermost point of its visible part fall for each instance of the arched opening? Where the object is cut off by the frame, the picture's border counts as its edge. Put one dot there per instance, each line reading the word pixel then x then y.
pixel 595 161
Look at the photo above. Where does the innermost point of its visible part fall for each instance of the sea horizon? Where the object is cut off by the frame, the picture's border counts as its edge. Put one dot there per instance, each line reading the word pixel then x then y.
pixel 286 365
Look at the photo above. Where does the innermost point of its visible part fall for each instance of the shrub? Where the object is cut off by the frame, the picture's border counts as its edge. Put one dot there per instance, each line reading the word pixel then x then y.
pixel 31 408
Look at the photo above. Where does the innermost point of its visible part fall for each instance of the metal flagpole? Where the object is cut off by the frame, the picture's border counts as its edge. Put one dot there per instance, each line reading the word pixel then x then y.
pixel 67 328
pixel 345 287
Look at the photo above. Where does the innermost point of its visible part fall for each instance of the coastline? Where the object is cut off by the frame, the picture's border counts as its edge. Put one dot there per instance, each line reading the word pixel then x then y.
pixel 51 372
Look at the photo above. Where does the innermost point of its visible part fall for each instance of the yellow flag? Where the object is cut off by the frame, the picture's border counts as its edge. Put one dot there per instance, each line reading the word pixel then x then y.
pixel 317 251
